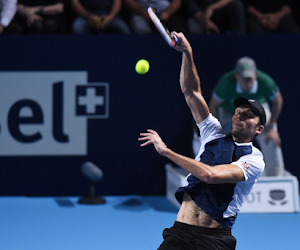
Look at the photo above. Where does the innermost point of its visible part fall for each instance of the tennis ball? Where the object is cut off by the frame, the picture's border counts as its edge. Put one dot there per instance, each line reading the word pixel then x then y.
pixel 142 66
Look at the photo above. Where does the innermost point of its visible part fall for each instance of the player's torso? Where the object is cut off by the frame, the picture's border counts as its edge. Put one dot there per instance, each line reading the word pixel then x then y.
pixel 217 200
pixel 190 213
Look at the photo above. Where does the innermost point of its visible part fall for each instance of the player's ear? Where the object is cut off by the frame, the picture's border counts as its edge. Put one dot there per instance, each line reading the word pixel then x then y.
pixel 259 129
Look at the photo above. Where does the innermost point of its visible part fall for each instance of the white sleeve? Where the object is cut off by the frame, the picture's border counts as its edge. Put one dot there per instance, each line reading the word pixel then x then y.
pixel 8 11
pixel 252 165
pixel 210 128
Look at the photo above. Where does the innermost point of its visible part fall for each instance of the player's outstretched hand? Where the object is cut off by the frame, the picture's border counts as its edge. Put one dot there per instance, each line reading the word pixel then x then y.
pixel 183 44
pixel 152 137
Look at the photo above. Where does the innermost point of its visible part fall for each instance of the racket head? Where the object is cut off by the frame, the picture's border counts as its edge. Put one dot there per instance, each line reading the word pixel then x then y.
pixel 165 33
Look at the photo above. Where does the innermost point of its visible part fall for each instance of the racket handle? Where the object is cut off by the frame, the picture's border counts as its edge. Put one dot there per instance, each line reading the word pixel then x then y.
pixel 175 39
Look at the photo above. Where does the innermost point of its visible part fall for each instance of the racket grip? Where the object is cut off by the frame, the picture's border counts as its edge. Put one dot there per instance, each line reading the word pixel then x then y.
pixel 175 39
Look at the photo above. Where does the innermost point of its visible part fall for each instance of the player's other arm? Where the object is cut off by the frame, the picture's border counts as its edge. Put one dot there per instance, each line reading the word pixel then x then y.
pixel 190 81
pixel 227 173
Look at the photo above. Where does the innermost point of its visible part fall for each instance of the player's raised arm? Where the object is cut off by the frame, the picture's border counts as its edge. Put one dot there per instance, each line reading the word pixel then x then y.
pixel 190 81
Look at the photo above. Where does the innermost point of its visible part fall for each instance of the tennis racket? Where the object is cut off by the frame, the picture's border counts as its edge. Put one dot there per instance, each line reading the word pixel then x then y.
pixel 166 34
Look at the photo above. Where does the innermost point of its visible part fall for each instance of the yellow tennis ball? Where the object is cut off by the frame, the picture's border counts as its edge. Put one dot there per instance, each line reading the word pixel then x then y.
pixel 142 66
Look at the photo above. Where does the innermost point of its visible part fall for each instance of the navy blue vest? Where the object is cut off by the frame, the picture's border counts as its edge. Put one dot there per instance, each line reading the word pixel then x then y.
pixel 214 198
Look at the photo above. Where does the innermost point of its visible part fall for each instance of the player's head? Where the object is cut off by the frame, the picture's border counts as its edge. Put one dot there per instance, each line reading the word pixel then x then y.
pixel 249 119
pixel 245 72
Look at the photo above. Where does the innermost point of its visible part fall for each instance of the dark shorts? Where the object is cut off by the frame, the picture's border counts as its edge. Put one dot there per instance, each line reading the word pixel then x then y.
pixel 185 237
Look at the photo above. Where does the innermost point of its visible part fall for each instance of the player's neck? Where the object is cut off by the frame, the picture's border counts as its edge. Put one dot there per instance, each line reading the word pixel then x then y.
pixel 241 140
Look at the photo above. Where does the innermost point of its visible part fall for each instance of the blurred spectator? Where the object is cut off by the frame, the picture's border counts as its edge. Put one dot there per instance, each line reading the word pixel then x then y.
pixel 7 11
pixel 216 16
pixel 98 16
pixel 270 16
pixel 41 16
pixel 167 10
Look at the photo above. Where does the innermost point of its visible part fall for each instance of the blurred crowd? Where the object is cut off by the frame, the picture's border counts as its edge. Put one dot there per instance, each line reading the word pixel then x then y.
pixel 130 16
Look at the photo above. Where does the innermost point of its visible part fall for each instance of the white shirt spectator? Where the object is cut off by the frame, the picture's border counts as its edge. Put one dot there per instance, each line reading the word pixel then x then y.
pixel 7 11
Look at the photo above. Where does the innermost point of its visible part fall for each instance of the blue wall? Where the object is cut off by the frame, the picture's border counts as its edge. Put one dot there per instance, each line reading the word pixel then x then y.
pixel 138 102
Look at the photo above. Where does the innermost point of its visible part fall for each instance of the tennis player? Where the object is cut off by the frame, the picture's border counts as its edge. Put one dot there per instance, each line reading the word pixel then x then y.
pixel 222 174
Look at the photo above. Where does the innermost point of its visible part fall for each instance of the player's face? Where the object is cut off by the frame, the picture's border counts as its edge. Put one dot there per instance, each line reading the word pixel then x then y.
pixel 245 124
pixel 245 83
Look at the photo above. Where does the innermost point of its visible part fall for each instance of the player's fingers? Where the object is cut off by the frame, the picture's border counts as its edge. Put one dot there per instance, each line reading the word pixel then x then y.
pixel 145 143
pixel 148 136
pixel 178 35
pixel 152 131
pixel 145 136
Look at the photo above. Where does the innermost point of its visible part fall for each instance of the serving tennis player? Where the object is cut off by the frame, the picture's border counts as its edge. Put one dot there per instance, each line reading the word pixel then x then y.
pixel 222 174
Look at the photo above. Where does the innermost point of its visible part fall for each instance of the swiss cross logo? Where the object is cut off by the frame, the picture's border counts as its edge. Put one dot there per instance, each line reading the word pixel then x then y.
pixel 246 166
pixel 92 100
